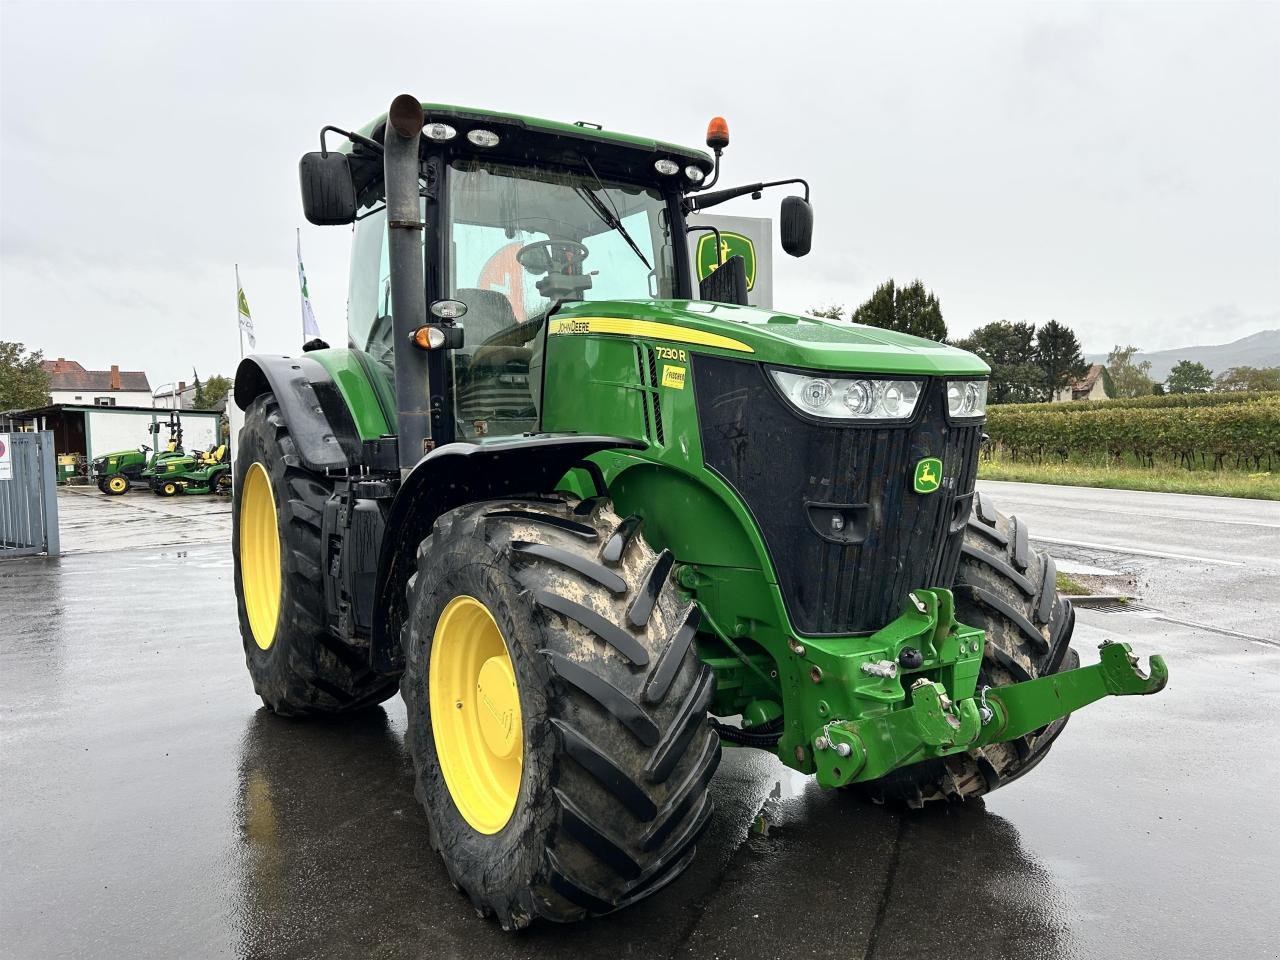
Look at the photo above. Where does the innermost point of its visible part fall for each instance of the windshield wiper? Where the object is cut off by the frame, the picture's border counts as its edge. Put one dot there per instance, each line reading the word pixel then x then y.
pixel 610 221
pixel 610 217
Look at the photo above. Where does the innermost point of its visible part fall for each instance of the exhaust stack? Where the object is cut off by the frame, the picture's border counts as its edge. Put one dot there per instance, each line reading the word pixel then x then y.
pixel 405 227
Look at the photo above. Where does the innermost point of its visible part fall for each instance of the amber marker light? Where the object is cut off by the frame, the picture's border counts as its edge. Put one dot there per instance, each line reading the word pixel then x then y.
pixel 428 337
pixel 718 133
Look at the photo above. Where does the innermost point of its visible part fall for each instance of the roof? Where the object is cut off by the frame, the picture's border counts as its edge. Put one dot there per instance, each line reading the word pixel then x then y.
pixel 70 375
pixel 443 111
pixel 1089 379
pixel 52 408
pixel 1080 389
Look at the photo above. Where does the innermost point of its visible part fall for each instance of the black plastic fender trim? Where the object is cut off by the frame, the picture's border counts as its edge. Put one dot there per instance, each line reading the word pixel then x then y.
pixel 319 422
pixel 449 477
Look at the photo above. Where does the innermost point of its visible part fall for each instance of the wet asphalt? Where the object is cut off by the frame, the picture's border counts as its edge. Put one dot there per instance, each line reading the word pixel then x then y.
pixel 150 808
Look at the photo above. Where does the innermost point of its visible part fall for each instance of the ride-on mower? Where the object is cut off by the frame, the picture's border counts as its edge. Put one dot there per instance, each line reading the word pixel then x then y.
pixel 595 520
pixel 116 472
pixel 205 471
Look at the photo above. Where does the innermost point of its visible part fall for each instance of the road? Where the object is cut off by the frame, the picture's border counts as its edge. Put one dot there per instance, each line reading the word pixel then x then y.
pixel 152 809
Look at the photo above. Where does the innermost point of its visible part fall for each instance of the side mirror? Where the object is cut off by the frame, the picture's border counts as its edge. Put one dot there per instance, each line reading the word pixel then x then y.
pixel 797 226
pixel 727 283
pixel 328 192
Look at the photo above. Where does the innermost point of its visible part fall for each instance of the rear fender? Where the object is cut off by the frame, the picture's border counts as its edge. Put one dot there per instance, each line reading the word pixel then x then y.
pixel 449 477
pixel 311 404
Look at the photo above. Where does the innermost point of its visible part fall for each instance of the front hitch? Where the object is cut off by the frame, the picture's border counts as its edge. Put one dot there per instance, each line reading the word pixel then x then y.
pixel 933 725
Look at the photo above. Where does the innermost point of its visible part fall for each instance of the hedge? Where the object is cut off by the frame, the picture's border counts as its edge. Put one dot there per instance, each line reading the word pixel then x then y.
pixel 1145 403
pixel 1243 435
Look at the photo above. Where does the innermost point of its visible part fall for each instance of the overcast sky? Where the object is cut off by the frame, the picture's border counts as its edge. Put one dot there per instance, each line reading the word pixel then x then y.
pixel 1116 167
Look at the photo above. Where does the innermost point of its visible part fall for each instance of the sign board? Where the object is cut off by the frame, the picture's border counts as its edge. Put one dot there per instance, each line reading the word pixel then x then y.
pixel 6 458
pixel 748 237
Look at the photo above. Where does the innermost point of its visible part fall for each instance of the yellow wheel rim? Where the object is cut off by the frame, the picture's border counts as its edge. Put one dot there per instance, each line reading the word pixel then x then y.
pixel 116 484
pixel 475 714
pixel 170 489
pixel 260 556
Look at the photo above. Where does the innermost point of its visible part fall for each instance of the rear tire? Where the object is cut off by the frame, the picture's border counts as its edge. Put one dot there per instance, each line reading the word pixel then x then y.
pixel 298 666
pixel 1009 591
pixel 617 750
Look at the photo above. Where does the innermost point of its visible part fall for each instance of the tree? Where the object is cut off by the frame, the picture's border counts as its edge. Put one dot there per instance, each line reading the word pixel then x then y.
pixel 1237 378
pixel 210 394
pixel 911 309
pixel 1188 376
pixel 1058 355
pixel 1129 379
pixel 833 312
pixel 1009 349
pixel 24 382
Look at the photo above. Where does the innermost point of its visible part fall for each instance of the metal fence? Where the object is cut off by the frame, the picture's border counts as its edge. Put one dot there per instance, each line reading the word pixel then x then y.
pixel 28 495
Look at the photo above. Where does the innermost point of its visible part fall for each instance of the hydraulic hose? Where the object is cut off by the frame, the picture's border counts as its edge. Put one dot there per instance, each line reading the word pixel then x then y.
pixel 766 736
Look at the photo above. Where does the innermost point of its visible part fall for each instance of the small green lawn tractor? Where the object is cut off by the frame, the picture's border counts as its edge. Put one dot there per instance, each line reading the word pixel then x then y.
pixel 115 473
pixel 206 471
pixel 595 520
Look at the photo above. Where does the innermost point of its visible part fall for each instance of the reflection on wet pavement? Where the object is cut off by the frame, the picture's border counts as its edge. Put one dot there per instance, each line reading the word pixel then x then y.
pixel 152 808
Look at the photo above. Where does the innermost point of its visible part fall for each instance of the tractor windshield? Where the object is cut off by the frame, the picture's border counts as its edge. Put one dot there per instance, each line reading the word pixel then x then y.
pixel 523 239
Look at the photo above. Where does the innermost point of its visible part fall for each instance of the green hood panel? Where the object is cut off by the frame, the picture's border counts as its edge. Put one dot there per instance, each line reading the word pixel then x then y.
pixel 779 338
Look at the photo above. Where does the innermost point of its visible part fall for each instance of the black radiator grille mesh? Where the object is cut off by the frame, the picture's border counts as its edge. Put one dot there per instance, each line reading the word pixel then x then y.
pixel 780 462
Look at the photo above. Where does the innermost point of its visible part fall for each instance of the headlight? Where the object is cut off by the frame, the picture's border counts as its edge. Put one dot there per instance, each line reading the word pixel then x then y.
pixel 849 399
pixel 967 398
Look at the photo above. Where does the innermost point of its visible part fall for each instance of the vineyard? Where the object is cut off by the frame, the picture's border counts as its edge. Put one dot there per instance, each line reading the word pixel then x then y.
pixel 1180 400
pixel 1211 431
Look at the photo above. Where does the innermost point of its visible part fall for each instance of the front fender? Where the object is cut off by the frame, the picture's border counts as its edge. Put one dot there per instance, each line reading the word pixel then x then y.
pixel 449 477
pixel 311 404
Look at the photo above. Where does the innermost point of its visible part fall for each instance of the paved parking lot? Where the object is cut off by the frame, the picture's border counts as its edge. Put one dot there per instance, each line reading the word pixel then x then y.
pixel 153 809
pixel 90 521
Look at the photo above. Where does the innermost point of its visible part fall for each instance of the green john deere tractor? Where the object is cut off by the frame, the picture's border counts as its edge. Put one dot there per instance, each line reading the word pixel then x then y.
pixel 595 520
pixel 205 471
pixel 116 472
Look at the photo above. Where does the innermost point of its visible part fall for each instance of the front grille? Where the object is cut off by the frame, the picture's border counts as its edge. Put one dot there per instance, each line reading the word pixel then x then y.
pixel 780 463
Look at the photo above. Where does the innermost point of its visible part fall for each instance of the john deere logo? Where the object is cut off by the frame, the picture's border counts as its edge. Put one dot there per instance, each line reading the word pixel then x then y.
pixel 731 245
pixel 928 475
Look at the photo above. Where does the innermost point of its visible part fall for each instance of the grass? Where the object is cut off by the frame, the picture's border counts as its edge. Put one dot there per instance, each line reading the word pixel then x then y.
pixel 1163 478
pixel 1071 587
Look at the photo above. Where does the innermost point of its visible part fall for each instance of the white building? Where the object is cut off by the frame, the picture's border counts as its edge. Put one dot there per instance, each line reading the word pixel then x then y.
pixel 69 382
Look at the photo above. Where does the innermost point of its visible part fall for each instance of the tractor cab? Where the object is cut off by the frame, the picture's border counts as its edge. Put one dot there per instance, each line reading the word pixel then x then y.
pixel 516 218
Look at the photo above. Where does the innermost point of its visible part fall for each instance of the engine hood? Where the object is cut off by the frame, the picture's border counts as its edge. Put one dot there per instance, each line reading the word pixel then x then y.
pixel 768 336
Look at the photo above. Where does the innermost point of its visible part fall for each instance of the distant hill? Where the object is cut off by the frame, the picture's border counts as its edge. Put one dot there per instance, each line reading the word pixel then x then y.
pixel 1260 349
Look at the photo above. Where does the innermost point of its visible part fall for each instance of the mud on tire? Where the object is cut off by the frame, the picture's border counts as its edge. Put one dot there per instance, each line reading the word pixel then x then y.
pixel 618 751
pixel 1009 590
pixel 306 670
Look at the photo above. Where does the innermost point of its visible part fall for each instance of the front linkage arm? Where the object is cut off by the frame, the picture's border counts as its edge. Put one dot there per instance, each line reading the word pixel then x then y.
pixel 932 724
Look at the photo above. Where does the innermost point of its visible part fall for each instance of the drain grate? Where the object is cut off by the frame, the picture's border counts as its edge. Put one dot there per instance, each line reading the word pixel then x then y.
pixel 1109 604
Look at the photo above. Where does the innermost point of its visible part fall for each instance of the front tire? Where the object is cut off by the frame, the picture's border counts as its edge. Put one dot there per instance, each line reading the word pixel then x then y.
pixel 114 485
pixel 298 666
pixel 609 708
pixel 1008 590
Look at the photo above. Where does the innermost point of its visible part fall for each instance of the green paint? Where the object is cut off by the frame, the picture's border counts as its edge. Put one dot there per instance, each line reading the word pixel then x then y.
pixel 731 245
pixel 792 340
pixel 364 385
pixel 928 475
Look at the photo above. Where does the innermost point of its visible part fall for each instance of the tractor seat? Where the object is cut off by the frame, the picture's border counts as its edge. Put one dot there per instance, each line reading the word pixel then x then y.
pixel 493 381
pixel 488 312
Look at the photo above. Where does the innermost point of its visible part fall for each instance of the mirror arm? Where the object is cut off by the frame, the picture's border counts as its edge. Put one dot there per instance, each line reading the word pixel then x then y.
pixel 719 242
pixel 353 137
pixel 705 200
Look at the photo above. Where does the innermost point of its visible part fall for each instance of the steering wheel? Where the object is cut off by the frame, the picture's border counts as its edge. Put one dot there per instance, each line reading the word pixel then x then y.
pixel 542 256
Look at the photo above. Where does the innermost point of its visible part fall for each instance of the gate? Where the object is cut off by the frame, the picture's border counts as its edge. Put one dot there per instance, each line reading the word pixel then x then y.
pixel 28 496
